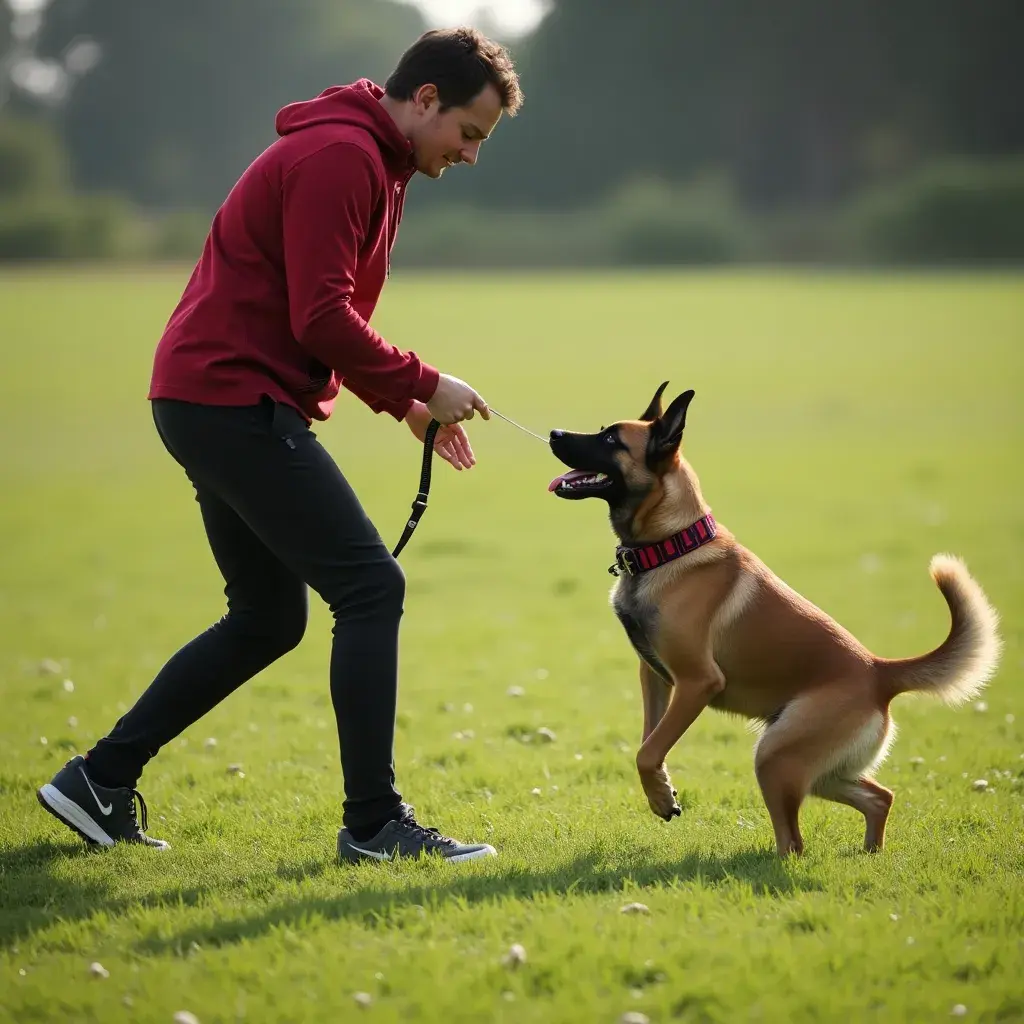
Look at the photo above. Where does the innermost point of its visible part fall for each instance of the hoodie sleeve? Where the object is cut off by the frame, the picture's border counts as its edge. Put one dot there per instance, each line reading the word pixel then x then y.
pixel 328 203
pixel 377 404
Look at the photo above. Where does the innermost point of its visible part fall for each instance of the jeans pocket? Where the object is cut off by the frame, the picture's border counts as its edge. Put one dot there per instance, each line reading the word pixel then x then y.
pixel 287 423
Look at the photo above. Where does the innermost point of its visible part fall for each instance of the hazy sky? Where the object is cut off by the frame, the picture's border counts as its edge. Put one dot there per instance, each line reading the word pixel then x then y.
pixel 514 16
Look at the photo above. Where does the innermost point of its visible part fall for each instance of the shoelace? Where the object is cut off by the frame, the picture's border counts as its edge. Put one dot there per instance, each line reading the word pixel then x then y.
pixel 136 795
pixel 419 831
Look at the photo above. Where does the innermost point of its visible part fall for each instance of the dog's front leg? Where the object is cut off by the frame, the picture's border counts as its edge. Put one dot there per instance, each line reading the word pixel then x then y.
pixel 690 694
pixel 655 693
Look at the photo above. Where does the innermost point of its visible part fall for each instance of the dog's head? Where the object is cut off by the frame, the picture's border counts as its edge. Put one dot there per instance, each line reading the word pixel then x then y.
pixel 633 465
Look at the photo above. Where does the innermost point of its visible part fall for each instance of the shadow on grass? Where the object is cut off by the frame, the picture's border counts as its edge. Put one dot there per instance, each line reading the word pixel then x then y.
pixel 379 905
pixel 33 896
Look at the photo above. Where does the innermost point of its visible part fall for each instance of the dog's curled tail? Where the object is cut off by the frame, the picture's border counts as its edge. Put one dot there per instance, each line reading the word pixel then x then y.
pixel 963 663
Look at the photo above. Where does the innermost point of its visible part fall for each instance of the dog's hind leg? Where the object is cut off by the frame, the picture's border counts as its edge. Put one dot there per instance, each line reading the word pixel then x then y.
pixel 783 786
pixel 868 797
pixel 815 738
pixel 848 781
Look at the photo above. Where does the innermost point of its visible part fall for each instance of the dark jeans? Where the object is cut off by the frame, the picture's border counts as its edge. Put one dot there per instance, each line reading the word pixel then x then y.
pixel 279 515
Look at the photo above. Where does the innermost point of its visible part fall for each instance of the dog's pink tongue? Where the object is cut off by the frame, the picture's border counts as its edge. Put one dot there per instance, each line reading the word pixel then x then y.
pixel 565 477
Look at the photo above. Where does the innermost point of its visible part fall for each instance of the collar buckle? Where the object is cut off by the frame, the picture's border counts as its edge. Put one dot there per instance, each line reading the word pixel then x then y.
pixel 623 565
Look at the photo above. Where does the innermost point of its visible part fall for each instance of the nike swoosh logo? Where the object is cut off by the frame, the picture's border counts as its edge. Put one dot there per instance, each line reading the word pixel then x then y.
pixel 376 855
pixel 109 807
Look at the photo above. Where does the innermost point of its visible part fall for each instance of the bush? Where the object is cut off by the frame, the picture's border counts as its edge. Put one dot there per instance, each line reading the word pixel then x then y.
pixel 40 218
pixel 644 223
pixel 460 236
pixel 652 223
pixel 32 159
pixel 179 235
pixel 68 227
pixel 948 212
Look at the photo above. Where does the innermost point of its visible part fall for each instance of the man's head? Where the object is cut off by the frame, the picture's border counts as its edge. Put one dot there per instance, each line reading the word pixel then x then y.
pixel 447 94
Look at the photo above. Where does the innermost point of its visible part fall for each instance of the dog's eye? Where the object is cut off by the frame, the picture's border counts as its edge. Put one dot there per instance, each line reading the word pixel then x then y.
pixel 610 439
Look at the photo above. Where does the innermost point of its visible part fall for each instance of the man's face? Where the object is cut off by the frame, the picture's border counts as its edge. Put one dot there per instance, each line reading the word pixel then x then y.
pixel 443 138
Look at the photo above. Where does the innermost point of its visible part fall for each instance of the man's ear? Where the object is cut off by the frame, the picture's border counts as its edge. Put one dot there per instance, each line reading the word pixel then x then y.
pixel 654 409
pixel 667 430
pixel 426 95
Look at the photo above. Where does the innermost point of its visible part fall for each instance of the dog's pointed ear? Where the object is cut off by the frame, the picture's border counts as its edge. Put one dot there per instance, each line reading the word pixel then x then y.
pixel 667 430
pixel 654 409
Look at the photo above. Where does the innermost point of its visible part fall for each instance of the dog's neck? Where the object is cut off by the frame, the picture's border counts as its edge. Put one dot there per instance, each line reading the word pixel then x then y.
pixel 674 503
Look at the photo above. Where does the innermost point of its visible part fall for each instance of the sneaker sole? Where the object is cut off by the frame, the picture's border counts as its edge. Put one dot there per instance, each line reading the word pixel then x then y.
pixel 355 855
pixel 68 813
pixel 487 851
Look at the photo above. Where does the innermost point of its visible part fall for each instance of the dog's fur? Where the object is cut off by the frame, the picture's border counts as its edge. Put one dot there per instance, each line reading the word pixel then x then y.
pixel 718 628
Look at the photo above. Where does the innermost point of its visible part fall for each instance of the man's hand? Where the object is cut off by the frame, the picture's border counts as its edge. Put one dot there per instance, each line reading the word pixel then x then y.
pixel 451 442
pixel 454 400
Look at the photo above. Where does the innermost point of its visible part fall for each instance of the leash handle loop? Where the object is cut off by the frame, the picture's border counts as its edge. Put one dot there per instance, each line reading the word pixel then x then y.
pixel 419 505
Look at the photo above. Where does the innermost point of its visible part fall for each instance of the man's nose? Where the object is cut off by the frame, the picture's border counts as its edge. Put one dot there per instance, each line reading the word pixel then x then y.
pixel 470 153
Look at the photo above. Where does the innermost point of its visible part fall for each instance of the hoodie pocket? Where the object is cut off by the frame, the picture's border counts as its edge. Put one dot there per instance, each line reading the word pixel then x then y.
pixel 319 377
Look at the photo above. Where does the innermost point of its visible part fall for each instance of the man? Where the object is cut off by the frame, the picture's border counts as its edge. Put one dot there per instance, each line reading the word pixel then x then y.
pixel 271 324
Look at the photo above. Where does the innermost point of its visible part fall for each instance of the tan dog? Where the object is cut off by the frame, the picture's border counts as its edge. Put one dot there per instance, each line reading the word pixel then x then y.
pixel 713 625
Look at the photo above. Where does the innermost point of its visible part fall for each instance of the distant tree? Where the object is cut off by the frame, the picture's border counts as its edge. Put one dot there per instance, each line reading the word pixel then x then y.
pixel 185 93
pixel 796 100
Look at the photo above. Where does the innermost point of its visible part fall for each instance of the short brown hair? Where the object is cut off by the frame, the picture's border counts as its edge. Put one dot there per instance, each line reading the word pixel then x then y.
pixel 461 62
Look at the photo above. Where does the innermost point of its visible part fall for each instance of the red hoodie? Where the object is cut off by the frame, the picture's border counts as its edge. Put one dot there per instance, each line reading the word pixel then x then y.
pixel 292 268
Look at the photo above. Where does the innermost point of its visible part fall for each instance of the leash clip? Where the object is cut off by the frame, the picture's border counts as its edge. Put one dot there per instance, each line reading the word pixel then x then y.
pixel 621 565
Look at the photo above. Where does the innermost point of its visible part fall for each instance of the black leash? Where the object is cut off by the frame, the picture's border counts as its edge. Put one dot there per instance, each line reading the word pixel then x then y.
pixel 419 506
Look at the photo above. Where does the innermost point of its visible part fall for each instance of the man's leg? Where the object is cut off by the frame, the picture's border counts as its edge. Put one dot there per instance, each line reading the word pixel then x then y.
pixel 266 617
pixel 289 492
pixel 267 607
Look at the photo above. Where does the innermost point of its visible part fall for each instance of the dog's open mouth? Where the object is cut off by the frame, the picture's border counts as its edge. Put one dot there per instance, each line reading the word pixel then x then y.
pixel 579 480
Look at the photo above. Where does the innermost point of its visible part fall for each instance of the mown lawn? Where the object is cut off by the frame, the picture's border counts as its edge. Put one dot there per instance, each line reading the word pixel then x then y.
pixel 845 427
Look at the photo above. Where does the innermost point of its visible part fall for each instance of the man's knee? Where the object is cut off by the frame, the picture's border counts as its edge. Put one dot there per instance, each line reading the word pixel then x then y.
pixel 290 625
pixel 384 587
pixel 278 625
pixel 375 589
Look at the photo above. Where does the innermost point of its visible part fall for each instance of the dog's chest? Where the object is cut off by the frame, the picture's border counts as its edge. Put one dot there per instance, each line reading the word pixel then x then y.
pixel 638 620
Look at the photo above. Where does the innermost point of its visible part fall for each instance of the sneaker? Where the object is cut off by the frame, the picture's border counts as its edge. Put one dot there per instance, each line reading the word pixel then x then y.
pixel 99 815
pixel 407 838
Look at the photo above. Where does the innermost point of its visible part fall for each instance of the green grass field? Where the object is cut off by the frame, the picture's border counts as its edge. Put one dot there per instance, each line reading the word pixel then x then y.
pixel 845 428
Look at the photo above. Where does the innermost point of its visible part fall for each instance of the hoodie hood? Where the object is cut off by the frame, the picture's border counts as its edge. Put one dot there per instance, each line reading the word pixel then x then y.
pixel 356 105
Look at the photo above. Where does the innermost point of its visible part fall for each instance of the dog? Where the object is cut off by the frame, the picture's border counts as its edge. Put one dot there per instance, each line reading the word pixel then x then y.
pixel 714 626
